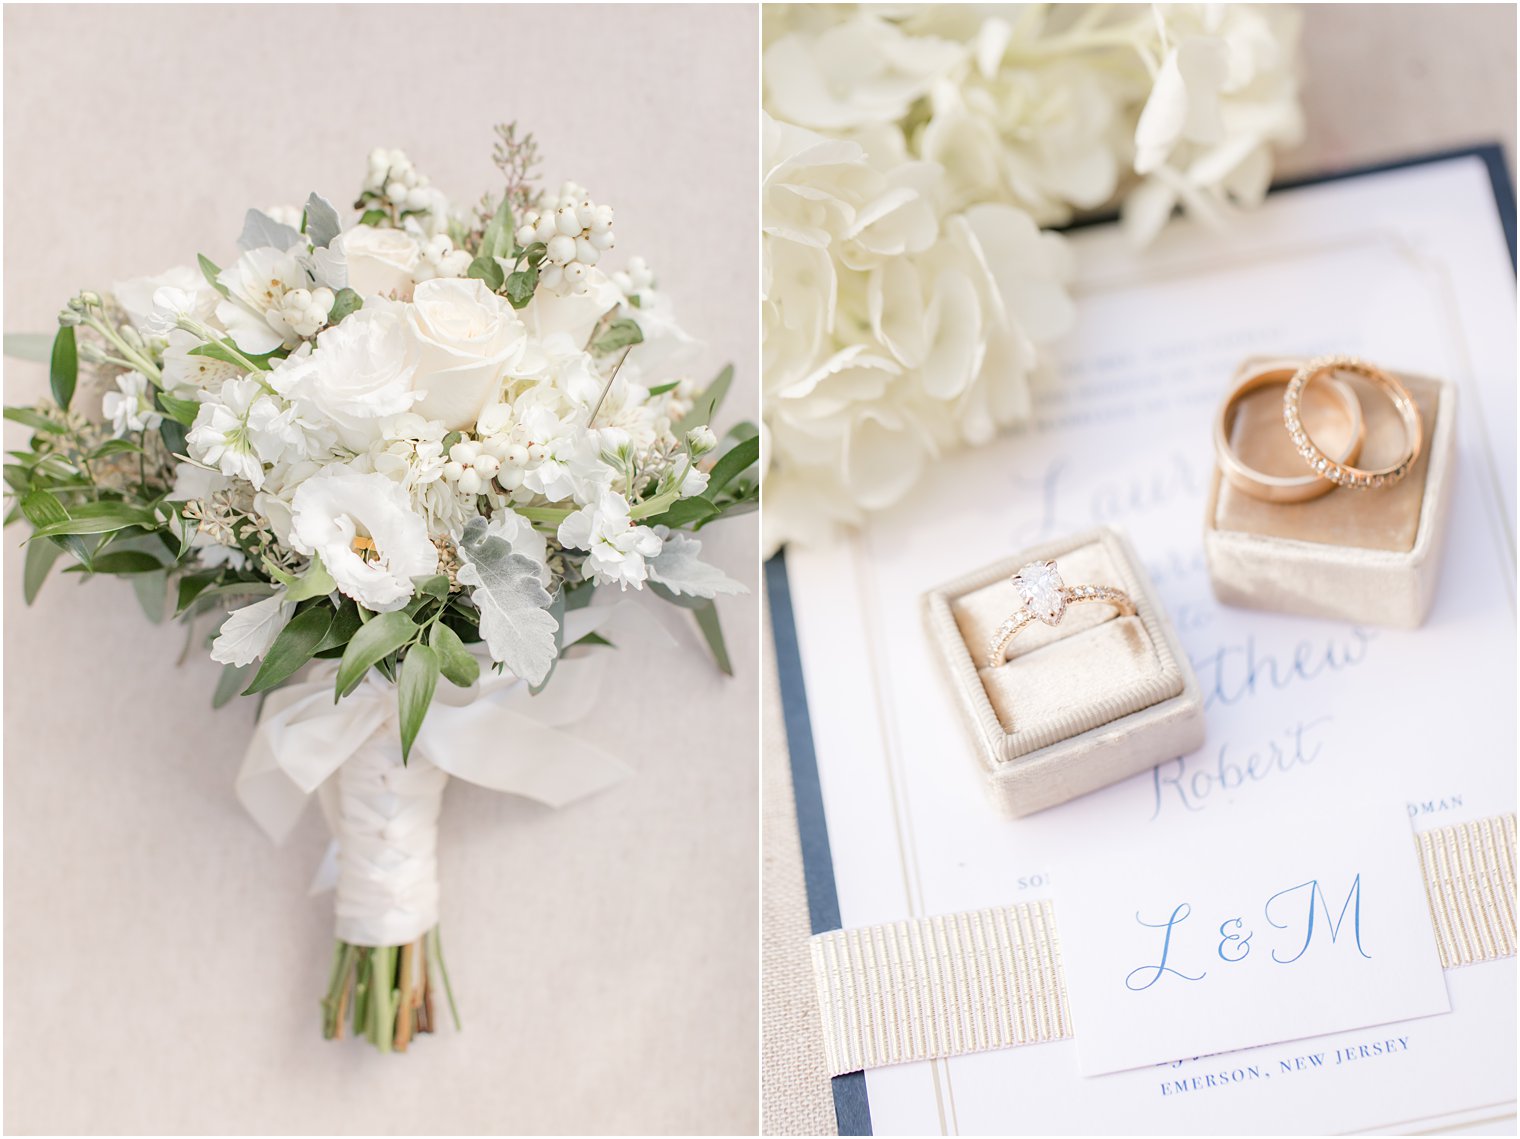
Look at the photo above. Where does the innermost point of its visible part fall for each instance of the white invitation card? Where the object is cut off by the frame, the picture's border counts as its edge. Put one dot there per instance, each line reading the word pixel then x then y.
pixel 1374 734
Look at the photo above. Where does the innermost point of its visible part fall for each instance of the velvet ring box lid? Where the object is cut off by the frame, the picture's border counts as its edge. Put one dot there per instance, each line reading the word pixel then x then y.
pixel 1077 705
pixel 1364 555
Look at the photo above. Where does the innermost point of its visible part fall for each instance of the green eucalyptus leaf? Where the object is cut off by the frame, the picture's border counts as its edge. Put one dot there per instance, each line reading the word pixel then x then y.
pixel 414 692
pixel 707 403
pixel 190 587
pixel 33 419
pixel 42 509
pixel 295 645
pixel 691 511
pixel 457 663
pixel 210 271
pixel 315 582
pixel 125 562
pixel 152 591
pixel 344 625
pixel 372 217
pixel 621 333
pixel 433 585
pixel 378 639
pixel 712 632
pixel 182 411
pixel 40 557
pixel 521 286
pixel 738 459
pixel 226 351
pixel 230 683
pixel 487 270
pixel 98 518
pixel 346 302
pixel 64 369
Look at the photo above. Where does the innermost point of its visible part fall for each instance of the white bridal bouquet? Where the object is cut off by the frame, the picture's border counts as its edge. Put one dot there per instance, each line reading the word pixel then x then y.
pixel 424 445
pixel 914 156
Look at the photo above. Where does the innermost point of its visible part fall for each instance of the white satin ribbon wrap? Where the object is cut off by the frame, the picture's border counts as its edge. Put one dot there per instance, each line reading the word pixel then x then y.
pixel 384 815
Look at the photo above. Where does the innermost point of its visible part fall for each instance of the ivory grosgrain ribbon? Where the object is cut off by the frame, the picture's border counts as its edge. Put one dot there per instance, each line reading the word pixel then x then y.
pixel 958 983
pixel 495 734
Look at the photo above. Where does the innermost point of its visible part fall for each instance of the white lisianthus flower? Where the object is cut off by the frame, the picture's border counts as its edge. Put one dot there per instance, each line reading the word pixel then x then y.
pixel 361 372
pixel 243 428
pixel 618 548
pixel 363 528
pixel 468 339
pixel 248 632
pixel 130 407
pixel 381 262
pixel 256 285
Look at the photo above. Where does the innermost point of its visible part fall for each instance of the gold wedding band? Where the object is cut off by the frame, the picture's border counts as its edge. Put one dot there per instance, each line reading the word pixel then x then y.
pixel 1282 488
pixel 1339 472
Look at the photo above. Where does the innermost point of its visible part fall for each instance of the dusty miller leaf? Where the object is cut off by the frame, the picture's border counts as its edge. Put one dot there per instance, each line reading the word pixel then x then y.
pixel 679 569
pixel 322 224
pixel 259 230
pixel 513 603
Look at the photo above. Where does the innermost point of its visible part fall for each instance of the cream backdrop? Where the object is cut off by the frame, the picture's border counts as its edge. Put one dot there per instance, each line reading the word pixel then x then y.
pixel 163 962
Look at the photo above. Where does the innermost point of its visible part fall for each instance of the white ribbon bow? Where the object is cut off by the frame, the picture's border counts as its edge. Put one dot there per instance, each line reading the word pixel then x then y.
pixel 495 734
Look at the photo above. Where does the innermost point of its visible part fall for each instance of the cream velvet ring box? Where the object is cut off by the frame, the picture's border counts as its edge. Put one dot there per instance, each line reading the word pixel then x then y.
pixel 1077 705
pixel 1363 555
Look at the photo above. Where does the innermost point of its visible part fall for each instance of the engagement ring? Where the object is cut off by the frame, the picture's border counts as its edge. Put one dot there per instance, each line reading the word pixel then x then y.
pixel 1045 598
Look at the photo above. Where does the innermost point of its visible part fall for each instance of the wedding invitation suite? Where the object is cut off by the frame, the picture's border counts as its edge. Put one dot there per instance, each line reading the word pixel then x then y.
pixel 1244 930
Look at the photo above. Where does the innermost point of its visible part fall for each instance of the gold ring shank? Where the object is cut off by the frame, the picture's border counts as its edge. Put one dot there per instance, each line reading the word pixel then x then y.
pixel 1282 488
pixel 1022 618
pixel 1341 473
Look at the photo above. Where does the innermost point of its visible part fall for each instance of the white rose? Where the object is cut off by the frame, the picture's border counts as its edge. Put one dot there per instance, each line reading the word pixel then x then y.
pixel 361 372
pixel 381 261
pixel 468 339
pixel 363 528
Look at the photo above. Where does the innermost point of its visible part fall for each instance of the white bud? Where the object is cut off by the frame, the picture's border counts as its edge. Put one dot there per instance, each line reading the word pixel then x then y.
pixel 452 471
pixel 536 453
pixel 510 478
pixel 585 252
pixel 567 222
pixel 601 220
pixel 575 272
pixel 516 455
pixel 600 241
pixel 463 452
pixel 396 191
pixel 525 234
pixel 487 464
pixel 701 440
pixel 544 228
pixel 583 214
pixel 469 482
pixel 551 276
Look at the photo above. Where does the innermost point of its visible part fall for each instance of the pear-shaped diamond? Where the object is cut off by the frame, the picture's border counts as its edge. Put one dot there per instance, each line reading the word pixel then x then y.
pixel 1040 588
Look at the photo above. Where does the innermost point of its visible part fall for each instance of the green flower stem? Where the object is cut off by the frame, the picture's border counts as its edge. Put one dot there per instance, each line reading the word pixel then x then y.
pixel 384 994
